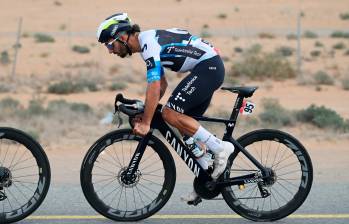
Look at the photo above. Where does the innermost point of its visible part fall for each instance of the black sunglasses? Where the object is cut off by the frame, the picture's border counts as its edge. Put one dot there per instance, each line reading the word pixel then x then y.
pixel 110 45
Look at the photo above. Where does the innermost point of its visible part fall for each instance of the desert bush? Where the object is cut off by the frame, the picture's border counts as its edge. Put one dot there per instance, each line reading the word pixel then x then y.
pixel 322 78
pixel 266 36
pixel 35 107
pixel 346 52
pixel 261 66
pixel 318 44
pixel 64 87
pixel 310 34
pixel 81 49
pixel 339 46
pixel 34 134
pixel 57 3
pixel 315 53
pixel 291 36
pixel 344 16
pixel 205 33
pixel 44 55
pixel 339 34
pixel 67 87
pixel 43 38
pixel 86 85
pixel 322 117
pixel 345 84
pixel 4 88
pixel 81 107
pixel 62 27
pixel 284 51
pixel 9 105
pixel 5 58
pixel 238 49
pixel 254 49
pixel 222 16
pixel 118 86
pixel 274 114
pixel 25 35
pixel 59 105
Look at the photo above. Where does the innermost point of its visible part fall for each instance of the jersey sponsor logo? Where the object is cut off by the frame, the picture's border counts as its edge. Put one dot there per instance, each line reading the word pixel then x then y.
pixel 175 107
pixel 145 46
pixel 188 88
pixel 187 51
pixel 150 63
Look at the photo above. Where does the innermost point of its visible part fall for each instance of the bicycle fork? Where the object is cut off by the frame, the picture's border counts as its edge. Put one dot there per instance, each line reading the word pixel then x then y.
pixel 136 158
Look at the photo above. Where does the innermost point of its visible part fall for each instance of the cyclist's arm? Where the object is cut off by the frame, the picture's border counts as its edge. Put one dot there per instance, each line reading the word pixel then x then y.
pixel 163 86
pixel 151 101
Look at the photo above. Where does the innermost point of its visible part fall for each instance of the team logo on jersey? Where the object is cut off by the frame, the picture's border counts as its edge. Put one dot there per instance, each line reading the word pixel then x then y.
pixel 187 51
pixel 145 46
pixel 150 63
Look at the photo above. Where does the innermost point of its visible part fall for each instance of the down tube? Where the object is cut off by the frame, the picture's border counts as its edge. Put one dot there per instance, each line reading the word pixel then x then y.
pixel 183 152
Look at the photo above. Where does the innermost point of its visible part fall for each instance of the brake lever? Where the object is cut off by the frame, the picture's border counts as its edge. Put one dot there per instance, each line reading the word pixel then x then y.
pixel 119 119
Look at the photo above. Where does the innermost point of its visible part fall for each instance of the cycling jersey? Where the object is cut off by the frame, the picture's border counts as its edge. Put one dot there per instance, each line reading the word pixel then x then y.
pixel 175 49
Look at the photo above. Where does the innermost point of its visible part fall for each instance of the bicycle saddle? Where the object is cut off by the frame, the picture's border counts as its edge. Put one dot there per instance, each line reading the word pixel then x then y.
pixel 246 91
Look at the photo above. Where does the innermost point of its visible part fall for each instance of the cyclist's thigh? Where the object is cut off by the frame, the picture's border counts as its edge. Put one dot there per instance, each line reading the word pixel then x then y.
pixel 196 89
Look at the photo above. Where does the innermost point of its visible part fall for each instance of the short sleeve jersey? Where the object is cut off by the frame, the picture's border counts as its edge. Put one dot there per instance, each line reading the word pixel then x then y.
pixel 174 49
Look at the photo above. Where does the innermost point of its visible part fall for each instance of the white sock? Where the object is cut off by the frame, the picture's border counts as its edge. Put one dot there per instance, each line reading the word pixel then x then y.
pixel 213 143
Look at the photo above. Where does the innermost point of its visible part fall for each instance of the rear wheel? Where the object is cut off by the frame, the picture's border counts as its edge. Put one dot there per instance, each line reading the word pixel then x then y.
pixel 291 176
pixel 104 185
pixel 24 175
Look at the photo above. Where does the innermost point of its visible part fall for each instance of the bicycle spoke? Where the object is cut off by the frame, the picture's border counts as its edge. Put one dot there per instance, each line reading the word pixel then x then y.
pixel 151 182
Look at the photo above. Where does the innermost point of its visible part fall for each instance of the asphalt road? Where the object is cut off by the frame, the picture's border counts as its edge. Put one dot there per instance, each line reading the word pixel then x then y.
pixel 326 203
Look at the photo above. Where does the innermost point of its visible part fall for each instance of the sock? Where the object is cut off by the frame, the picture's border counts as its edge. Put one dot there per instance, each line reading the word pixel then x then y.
pixel 213 143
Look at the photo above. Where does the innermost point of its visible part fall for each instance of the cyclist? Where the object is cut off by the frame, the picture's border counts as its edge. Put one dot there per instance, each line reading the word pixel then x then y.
pixel 177 50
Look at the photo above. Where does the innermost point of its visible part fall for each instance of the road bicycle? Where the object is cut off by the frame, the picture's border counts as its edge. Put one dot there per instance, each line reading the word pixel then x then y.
pixel 24 175
pixel 126 177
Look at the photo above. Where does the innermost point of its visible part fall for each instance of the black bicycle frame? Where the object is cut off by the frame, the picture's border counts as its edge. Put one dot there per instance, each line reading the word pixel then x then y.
pixel 187 156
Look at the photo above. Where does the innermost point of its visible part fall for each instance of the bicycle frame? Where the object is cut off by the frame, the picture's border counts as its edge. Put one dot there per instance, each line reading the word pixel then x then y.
pixel 187 156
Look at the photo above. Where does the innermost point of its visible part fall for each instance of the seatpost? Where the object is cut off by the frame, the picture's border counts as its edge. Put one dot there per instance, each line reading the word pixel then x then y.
pixel 233 117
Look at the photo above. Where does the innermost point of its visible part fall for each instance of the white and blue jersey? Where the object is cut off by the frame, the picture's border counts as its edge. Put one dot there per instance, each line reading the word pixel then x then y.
pixel 175 49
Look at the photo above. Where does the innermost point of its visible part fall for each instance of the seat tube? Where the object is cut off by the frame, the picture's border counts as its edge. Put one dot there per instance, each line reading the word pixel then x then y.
pixel 233 117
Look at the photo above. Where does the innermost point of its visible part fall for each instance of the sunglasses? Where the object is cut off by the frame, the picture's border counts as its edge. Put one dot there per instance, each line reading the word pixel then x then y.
pixel 110 45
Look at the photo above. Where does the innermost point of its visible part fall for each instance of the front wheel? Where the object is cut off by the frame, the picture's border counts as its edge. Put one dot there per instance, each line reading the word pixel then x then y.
pixel 291 170
pixel 24 175
pixel 104 186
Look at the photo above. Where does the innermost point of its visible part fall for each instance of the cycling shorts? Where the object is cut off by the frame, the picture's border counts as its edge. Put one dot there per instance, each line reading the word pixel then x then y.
pixel 193 94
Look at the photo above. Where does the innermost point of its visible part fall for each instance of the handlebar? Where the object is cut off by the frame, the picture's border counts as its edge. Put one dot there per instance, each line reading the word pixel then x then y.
pixel 128 106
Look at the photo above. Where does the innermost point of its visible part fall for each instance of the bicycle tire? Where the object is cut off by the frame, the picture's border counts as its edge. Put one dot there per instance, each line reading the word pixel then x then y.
pixel 297 174
pixel 117 142
pixel 14 147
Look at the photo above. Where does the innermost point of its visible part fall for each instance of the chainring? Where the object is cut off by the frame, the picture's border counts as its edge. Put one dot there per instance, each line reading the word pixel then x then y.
pixel 202 190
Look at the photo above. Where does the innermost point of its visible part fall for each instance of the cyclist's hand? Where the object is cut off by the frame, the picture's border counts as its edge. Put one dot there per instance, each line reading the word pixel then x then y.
pixel 137 119
pixel 141 128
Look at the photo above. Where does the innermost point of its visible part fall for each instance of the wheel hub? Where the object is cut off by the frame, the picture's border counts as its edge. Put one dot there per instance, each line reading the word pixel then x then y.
pixel 271 179
pixel 5 177
pixel 127 180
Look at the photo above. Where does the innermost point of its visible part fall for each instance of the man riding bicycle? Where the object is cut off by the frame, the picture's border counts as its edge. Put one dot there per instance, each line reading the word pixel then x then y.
pixel 179 51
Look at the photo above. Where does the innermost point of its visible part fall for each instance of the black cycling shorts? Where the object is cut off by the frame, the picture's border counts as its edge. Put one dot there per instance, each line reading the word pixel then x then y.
pixel 193 94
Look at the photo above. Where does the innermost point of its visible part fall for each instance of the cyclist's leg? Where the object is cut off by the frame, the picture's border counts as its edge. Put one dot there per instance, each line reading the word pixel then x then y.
pixel 192 97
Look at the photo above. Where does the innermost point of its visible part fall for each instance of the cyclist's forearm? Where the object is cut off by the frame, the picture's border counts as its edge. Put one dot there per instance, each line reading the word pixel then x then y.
pixel 151 101
pixel 163 86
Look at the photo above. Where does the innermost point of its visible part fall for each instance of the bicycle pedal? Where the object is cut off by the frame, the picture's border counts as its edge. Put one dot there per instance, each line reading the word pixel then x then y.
pixel 195 202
